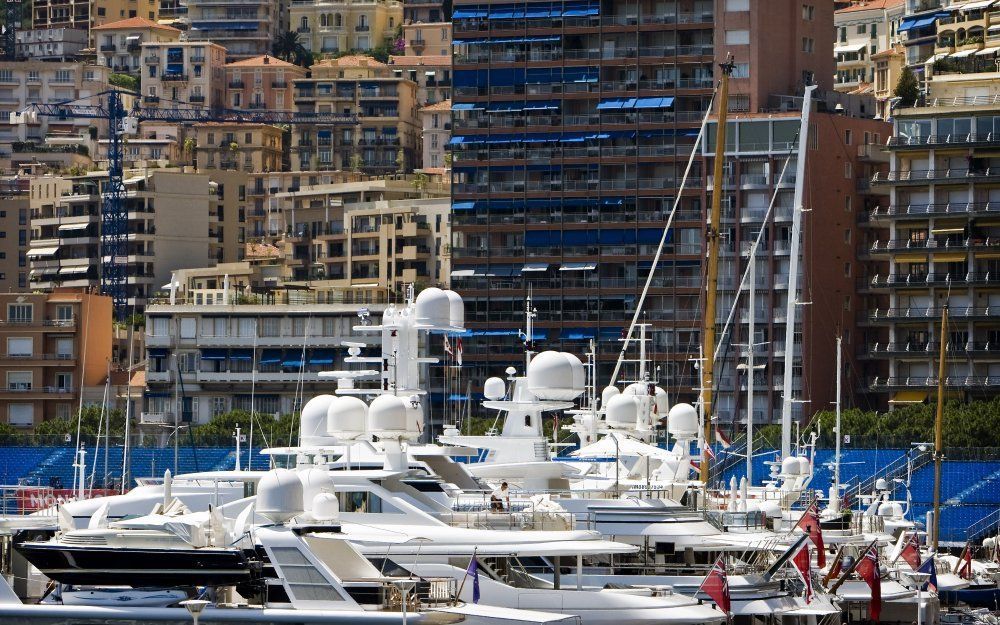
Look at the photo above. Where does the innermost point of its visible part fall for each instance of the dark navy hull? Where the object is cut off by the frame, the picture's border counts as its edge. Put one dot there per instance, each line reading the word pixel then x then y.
pixel 139 568
pixel 973 596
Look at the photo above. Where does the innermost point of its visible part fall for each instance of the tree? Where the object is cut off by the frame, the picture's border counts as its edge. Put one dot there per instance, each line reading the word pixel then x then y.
pixel 907 89
pixel 401 161
pixel 189 147
pixel 448 158
pixel 356 162
pixel 420 181
pixel 125 81
pixel 234 151
pixel 288 47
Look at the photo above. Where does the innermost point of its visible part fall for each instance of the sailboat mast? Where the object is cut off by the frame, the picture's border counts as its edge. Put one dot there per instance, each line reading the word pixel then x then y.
pixel 715 216
pixel 751 330
pixel 939 423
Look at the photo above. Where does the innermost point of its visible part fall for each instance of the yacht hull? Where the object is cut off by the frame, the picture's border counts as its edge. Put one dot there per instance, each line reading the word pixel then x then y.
pixel 138 568
pixel 985 596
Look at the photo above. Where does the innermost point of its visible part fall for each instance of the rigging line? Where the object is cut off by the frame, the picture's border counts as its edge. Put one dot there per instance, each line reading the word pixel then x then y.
pixel 663 241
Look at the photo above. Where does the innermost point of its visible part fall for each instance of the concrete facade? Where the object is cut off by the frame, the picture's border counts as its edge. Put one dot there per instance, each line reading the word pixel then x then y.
pixel 261 83
pixel 119 43
pixel 183 71
pixel 334 26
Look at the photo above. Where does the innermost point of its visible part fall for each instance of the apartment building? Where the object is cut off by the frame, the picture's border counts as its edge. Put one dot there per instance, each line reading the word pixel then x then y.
pixel 843 154
pixel 427 39
pixel 107 11
pixel 245 29
pixel 28 82
pixel 889 66
pixel 209 359
pixel 436 123
pixel 60 14
pixel 265 221
pixel 50 44
pixel 432 74
pixel 572 126
pixel 119 43
pixel 933 239
pixel 156 144
pixel 172 224
pixel 328 27
pixel 238 146
pixel 430 11
pixel 188 72
pixel 261 83
pixel 864 29
pixel 54 346
pixel 13 242
pixel 386 138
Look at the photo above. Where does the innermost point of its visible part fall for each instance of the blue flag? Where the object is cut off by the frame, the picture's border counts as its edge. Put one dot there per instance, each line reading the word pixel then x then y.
pixel 473 570
pixel 928 567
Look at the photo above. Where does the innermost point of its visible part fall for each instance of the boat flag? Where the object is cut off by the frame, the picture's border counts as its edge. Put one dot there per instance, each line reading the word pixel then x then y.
pixel 911 552
pixel 447 345
pixel 722 439
pixel 473 571
pixel 809 523
pixel 965 568
pixel 716 586
pixel 458 351
pixel 708 449
pixel 802 563
pixel 868 570
pixel 929 567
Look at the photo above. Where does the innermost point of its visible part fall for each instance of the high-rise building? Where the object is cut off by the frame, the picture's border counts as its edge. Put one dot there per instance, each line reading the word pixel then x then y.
pixel 573 122
pixel 245 29
pixel 933 240
pixel 13 241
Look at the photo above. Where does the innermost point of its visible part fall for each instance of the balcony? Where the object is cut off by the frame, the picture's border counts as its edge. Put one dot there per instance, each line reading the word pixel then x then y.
pixel 930 382
pixel 151 59
pixel 43 360
pixel 362 28
pixel 873 153
pixel 963 139
pixel 157 418
pixel 944 174
pixel 196 99
pixel 35 391
pixel 942 209
pixel 174 78
pixel 279 84
pixel 922 313
pixel 150 99
pixel 236 84
pixel 303 30
pixel 935 245
pixel 108 47
pixel 930 349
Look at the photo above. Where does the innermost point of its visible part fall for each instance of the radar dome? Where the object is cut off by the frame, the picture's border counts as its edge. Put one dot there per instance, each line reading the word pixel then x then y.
pixel 325 507
pixel 790 466
pixel 890 509
pixel 347 417
pixel 662 403
pixel 313 421
pixel 622 412
pixel 607 394
pixel 881 484
pixel 279 496
pixel 456 313
pixel 637 389
pixel 433 308
pixel 803 465
pixel 556 376
pixel 391 416
pixel 494 389
pixel 682 421
pixel 314 481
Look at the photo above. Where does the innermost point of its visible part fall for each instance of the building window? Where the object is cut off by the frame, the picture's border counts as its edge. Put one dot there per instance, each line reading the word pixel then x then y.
pixel 737 5
pixel 19 347
pixel 64 381
pixel 848 170
pixel 847 270
pixel 808 45
pixel 847 236
pixel 737 37
pixel 808 12
pixel 64 312
pixel 19 313
pixel 19 380
pixel 862 29
pixel 741 70
pixel 21 415
pixel 847 204
pixel 848 136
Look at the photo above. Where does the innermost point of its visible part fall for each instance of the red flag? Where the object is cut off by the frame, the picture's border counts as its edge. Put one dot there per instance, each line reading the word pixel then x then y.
pixel 722 439
pixel 868 570
pixel 809 523
pixel 458 351
pixel 708 450
pixel 911 552
pixel 965 568
pixel 803 562
pixel 716 586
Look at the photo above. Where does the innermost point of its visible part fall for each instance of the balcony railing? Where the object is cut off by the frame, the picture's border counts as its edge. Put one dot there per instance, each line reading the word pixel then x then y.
pixel 941 208
pixel 928 381
pixel 932 312
pixel 928 175
pixel 932 279
pixel 174 77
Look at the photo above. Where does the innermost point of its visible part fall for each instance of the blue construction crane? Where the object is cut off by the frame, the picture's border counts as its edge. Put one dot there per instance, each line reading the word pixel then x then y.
pixel 114 216
pixel 11 24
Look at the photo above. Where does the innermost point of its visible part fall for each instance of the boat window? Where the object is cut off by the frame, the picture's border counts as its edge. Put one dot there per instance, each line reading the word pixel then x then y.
pixel 364 502
pixel 425 486
pixel 302 578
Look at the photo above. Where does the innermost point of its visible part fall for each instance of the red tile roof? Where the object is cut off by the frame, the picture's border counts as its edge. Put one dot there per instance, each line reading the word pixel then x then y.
pixel 135 22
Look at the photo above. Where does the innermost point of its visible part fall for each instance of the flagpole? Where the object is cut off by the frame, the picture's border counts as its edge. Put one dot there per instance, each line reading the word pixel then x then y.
pixel 461 586
pixel 853 566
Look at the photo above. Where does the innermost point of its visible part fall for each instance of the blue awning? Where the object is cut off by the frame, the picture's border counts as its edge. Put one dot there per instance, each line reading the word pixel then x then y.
pixel 321 357
pixel 611 334
pixel 241 354
pixel 293 363
pixel 576 334
pixel 920 21
pixel 158 352
pixel 468 13
pixel 505 106
pixel 463 206
pixel 539 335
pixel 617 103
pixel 213 354
pixel 270 357
pixel 157 394
pixel 654 103
pixel 542 105
pixel 468 106
pixel 581 12
pixel 493 333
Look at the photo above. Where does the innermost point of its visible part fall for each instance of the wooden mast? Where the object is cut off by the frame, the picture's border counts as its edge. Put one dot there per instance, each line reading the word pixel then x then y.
pixel 715 216
pixel 939 423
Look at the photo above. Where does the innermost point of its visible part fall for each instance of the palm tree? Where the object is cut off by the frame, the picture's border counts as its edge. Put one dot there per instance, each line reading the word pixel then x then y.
pixel 189 146
pixel 288 47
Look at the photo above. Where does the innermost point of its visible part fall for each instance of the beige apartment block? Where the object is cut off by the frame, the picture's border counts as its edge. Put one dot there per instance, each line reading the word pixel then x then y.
pixel 264 219
pixel 13 242
pixel 50 44
pixel 386 138
pixel 106 11
pixel 427 39
pixel 332 26
pixel 244 147
pixel 436 123
pixel 246 28
pixel 889 66
pixel 28 82
pixel 60 14
pixel 171 223
pixel 431 73
pixel 53 346
pixel 119 43
pixel 261 83
pixel 183 73
pixel 156 144
pixel 864 29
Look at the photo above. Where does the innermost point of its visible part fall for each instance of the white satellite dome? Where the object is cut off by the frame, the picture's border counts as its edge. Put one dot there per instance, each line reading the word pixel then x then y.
pixel 622 412
pixel 881 484
pixel 607 394
pixel 347 417
pixel 325 507
pixel 314 482
pixel 662 402
pixel 279 496
pixel 637 389
pixel 771 509
pixel 890 509
pixel 682 421
pixel 803 465
pixel 456 313
pixel 433 308
pixel 494 389
pixel 313 421
pixel 391 416
pixel 790 466
pixel 556 376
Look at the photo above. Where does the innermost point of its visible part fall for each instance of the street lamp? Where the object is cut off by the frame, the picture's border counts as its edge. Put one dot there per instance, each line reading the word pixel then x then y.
pixel 920 579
